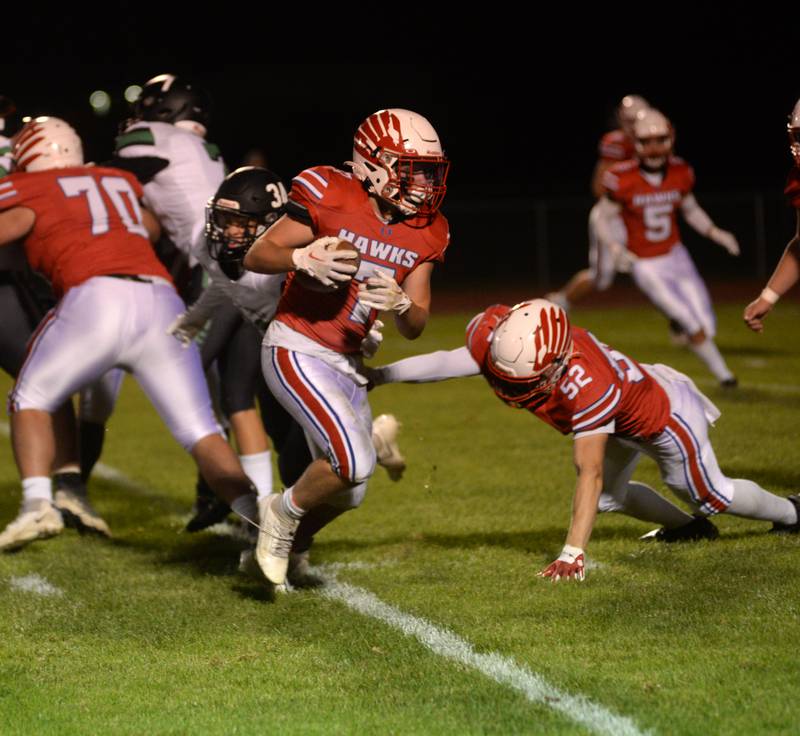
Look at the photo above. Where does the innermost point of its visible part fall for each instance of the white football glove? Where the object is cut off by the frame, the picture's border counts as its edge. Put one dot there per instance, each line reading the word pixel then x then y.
pixel 373 340
pixel 725 239
pixel 321 262
pixel 383 293
pixel 623 258
pixel 184 330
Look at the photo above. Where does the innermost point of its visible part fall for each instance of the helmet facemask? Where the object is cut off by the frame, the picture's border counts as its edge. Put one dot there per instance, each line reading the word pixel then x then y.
pixel 398 156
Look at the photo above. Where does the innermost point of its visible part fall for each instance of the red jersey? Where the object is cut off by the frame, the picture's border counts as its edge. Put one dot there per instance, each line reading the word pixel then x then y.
pixel 334 203
pixel 616 146
pixel 601 387
pixel 792 190
pixel 88 223
pixel 649 210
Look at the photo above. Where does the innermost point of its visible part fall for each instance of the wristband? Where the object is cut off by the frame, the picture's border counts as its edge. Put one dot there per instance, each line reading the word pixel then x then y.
pixel 769 295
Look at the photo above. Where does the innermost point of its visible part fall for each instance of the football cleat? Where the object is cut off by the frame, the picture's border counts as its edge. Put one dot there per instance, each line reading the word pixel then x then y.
pixel 384 436
pixel 78 512
pixel 698 528
pixel 789 528
pixel 275 538
pixel 37 519
pixel 731 382
pixel 208 508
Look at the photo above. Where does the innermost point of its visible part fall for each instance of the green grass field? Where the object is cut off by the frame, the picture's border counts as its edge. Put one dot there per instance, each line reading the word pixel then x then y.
pixel 155 631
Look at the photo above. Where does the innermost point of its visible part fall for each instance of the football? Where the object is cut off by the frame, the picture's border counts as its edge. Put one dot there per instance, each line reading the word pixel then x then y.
pixel 312 284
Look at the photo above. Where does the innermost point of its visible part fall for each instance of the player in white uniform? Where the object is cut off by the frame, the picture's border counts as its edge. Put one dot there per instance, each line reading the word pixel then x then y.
pixel 164 146
pixel 648 192
pixel 84 229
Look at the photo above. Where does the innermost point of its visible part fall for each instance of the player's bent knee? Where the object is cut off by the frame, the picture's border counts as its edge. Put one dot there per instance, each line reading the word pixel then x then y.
pixel 356 467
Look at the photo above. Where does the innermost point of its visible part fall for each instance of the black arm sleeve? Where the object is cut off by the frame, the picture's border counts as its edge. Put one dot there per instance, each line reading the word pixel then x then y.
pixel 144 168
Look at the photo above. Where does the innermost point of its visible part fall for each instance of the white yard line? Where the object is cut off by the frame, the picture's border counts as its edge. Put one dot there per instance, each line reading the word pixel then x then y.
pixel 495 666
pixel 441 641
pixel 34 584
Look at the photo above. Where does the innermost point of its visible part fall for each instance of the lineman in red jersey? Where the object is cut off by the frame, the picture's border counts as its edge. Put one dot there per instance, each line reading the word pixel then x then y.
pixel 616 408
pixel 388 209
pixel 787 272
pixel 648 192
pixel 84 229
pixel 615 146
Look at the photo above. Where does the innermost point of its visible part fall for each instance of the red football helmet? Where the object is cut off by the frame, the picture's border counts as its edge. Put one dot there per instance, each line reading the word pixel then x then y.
pixel 398 155
pixel 47 143
pixel 529 352
pixel 793 129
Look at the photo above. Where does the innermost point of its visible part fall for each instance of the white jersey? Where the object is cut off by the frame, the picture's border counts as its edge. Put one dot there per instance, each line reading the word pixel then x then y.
pixel 255 295
pixel 6 162
pixel 178 193
pixel 12 257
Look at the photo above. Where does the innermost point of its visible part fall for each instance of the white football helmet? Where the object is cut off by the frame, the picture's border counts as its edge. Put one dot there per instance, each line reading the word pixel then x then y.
pixel 399 157
pixel 47 143
pixel 529 351
pixel 793 128
pixel 627 110
pixel 653 138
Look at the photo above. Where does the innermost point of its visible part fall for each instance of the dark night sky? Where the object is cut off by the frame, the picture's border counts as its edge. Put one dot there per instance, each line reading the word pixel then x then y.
pixel 518 123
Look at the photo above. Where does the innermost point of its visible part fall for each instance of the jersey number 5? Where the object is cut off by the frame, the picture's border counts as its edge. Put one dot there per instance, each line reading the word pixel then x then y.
pixel 115 187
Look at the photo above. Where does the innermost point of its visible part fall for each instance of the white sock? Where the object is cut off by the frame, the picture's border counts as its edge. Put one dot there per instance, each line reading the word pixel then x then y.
pixel 709 353
pixel 289 507
pixel 751 501
pixel 37 488
pixel 258 468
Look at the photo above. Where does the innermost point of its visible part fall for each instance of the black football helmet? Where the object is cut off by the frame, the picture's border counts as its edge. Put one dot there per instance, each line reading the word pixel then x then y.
pixel 247 202
pixel 168 99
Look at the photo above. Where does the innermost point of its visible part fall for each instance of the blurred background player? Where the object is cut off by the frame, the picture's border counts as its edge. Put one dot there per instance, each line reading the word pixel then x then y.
pixel 84 229
pixel 615 146
pixel 388 208
pixel 617 409
pixel 25 298
pixel 246 203
pixel 787 272
pixel 647 192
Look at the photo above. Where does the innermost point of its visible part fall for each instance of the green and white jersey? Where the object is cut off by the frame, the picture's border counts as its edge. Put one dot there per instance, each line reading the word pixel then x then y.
pixel 12 257
pixel 178 193
pixel 6 162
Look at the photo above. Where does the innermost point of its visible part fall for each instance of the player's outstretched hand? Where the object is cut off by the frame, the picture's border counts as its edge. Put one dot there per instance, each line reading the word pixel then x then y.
pixel 623 258
pixel 184 330
pixel 725 239
pixel 570 565
pixel 322 261
pixel 383 293
pixel 755 312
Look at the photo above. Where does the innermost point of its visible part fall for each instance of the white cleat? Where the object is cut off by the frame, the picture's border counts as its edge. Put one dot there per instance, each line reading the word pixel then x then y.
pixel 78 512
pixel 274 538
pixel 37 520
pixel 558 298
pixel 384 437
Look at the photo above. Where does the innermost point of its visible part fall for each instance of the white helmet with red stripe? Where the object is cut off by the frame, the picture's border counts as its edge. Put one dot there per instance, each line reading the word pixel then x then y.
pixel 627 110
pixel 398 155
pixel 793 128
pixel 654 138
pixel 47 143
pixel 530 350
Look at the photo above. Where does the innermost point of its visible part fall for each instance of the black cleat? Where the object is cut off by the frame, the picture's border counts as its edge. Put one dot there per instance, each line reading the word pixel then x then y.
pixel 731 382
pixel 208 513
pixel 698 528
pixel 789 528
